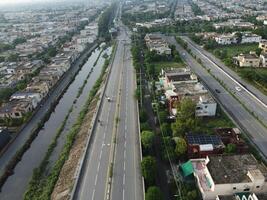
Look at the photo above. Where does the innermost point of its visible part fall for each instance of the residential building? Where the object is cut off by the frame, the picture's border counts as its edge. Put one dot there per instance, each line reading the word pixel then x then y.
pixel 234 23
pixel 226 39
pixel 205 104
pixel 222 175
pixel 247 37
pixel 263 60
pixel 263 45
pixel 247 60
pixel 171 76
pixel 155 42
pixel 16 109
pixel 242 196
pixel 33 96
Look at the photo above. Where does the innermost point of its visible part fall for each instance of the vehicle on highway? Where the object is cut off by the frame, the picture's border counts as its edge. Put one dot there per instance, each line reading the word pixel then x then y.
pixel 218 91
pixel 109 99
pixel 238 88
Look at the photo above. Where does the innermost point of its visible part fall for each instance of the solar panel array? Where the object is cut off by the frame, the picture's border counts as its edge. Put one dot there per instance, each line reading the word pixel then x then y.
pixel 203 139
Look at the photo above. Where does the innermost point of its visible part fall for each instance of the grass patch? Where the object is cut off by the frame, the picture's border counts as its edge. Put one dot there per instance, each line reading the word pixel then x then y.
pixel 165 64
pixel 221 120
pixel 233 50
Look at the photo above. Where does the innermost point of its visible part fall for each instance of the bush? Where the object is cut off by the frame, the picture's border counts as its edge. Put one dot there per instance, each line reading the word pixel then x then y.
pixel 153 193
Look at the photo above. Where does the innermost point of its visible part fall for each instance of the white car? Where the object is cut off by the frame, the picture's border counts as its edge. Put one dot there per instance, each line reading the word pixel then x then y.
pixel 238 88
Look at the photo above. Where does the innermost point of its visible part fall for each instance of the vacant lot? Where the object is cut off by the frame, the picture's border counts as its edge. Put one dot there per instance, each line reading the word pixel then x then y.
pixel 233 50
pixel 167 64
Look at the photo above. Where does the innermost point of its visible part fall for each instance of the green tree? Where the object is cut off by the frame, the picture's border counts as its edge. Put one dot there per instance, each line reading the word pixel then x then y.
pixel 143 115
pixel 166 129
pixel 239 37
pixel 163 116
pixel 169 149
pixel 148 166
pixel 19 41
pixel 185 119
pixel 147 138
pixel 258 51
pixel 153 193
pixel 230 148
pixel 181 146
pixel 52 51
pixel 191 195
pixel 13 58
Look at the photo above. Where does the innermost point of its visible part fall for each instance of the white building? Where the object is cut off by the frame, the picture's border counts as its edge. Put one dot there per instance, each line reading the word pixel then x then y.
pixel 228 174
pixel 263 60
pixel 248 37
pixel 86 40
pixel 34 97
pixel 226 39
pixel 206 106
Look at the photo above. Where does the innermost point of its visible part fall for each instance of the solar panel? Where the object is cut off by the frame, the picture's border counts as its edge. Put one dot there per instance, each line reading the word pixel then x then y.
pixel 203 139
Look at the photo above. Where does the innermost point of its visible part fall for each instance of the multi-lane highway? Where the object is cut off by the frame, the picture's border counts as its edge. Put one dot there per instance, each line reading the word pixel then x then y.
pixel 252 98
pixel 256 131
pixel 126 179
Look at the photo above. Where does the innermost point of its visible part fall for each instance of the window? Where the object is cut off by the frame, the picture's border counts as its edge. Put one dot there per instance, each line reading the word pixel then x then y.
pixel 246 189
pixel 17 114
pixel 257 186
pixel 234 188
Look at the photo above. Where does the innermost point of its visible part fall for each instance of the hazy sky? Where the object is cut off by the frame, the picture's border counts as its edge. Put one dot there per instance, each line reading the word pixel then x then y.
pixel 19 1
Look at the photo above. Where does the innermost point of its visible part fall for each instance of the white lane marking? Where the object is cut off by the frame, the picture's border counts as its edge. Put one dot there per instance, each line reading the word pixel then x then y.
pixel 98 167
pixel 124 166
pixel 93 195
pixel 96 178
pixel 124 179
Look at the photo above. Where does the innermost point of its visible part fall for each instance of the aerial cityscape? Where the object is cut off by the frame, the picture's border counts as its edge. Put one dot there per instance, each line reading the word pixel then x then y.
pixel 133 100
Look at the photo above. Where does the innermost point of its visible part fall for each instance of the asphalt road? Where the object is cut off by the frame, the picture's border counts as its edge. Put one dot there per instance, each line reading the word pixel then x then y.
pixel 127 180
pixel 256 131
pixel 38 116
pixel 94 175
pixel 249 95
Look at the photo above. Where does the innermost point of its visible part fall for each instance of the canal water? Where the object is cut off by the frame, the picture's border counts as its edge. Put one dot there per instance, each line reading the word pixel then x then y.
pixel 16 185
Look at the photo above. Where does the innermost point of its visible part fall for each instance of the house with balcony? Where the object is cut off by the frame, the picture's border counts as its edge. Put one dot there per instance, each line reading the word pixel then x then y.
pixel 227 175
pixel 247 60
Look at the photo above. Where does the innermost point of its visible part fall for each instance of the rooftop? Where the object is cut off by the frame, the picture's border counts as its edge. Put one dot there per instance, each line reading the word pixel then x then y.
pixel 198 139
pixel 233 168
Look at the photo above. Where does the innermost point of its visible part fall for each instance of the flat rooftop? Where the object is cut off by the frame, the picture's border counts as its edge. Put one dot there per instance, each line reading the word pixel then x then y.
pixel 233 168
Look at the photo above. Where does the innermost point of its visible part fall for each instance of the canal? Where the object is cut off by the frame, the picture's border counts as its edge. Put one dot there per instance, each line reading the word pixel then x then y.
pixel 16 184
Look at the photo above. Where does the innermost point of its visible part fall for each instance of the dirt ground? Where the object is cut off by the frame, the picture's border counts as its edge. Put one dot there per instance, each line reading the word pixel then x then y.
pixel 66 179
